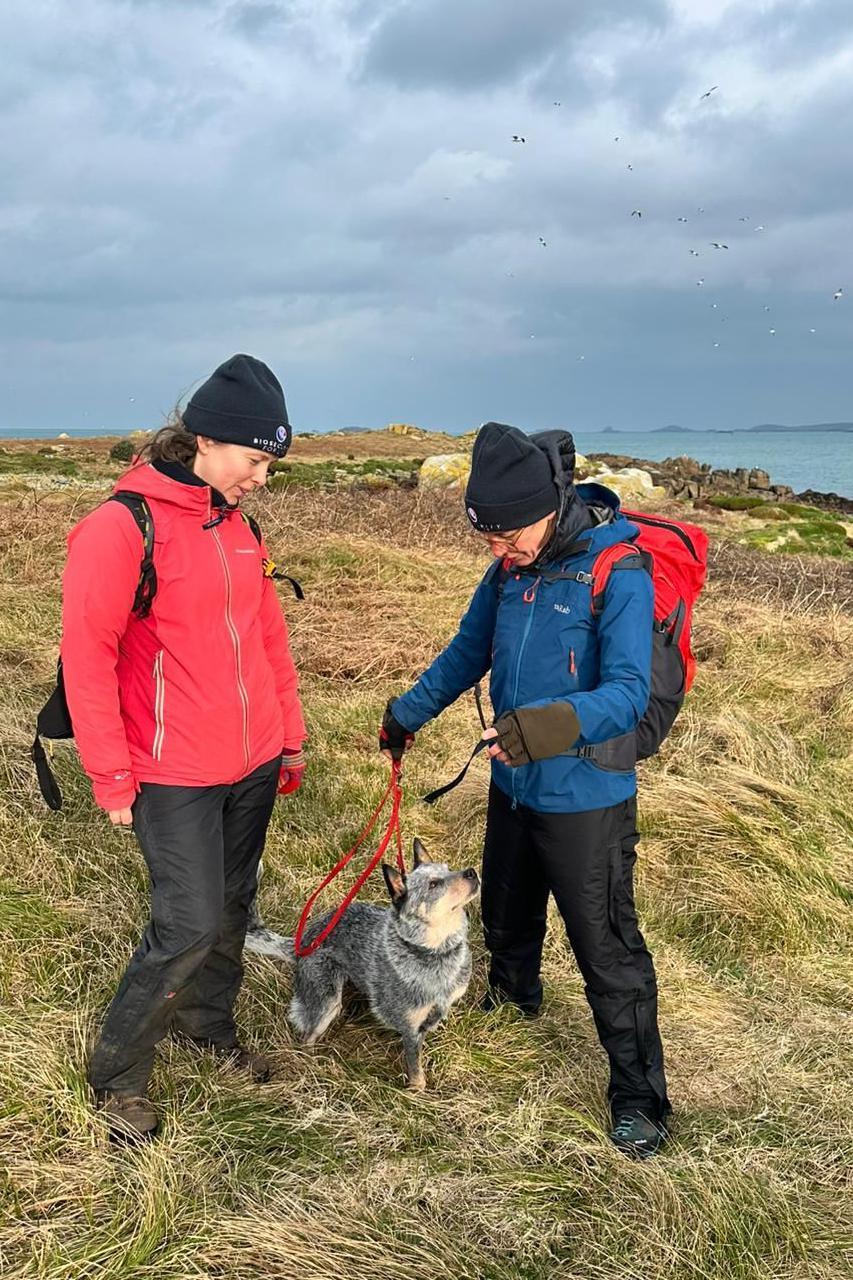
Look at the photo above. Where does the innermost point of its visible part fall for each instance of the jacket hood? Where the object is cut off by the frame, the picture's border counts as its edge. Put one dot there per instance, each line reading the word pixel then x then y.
pixel 174 483
pixel 573 515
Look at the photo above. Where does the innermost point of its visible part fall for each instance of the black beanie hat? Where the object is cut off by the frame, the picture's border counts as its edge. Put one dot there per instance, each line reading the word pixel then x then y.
pixel 241 403
pixel 511 482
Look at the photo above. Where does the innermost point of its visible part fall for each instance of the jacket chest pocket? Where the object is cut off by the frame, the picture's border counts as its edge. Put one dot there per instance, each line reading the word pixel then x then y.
pixel 571 629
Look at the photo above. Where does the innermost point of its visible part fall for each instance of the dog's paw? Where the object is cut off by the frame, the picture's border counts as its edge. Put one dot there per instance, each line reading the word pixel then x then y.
pixel 417 1083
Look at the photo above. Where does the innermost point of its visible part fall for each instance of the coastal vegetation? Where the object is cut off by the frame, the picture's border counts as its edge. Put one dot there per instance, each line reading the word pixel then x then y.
pixel 503 1170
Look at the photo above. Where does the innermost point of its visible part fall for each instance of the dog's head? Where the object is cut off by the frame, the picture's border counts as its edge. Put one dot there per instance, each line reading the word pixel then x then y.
pixel 430 901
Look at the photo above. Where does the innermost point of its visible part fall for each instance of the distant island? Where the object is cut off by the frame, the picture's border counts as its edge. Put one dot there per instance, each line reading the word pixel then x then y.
pixel 814 426
pixel 777 427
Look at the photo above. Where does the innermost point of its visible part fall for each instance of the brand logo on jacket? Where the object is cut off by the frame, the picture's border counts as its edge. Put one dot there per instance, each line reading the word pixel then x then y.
pixel 563 608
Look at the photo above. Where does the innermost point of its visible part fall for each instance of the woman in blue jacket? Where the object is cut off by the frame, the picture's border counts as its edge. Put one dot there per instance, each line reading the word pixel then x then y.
pixel 559 822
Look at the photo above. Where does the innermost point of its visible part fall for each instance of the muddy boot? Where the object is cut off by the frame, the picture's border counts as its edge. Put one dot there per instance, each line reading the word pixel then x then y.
pixel 131 1118
pixel 235 1058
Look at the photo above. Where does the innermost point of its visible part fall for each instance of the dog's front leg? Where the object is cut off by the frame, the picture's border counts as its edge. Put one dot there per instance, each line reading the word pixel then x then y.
pixel 412 1044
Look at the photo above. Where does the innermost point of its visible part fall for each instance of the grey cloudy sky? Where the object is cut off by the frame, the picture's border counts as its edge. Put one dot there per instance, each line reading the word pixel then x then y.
pixel 331 185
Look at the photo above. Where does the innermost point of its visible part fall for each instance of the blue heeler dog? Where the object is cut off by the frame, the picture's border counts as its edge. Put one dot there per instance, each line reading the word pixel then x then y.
pixel 411 960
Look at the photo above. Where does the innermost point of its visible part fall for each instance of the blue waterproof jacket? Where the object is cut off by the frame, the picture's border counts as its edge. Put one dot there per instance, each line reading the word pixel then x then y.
pixel 541 643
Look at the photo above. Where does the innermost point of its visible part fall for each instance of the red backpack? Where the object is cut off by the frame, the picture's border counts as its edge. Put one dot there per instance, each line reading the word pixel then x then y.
pixel 676 556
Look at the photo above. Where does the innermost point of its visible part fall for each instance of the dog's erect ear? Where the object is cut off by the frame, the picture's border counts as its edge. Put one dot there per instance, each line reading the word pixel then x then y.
pixel 396 883
pixel 419 852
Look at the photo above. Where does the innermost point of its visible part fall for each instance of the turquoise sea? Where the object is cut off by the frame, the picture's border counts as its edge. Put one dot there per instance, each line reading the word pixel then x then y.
pixel 820 460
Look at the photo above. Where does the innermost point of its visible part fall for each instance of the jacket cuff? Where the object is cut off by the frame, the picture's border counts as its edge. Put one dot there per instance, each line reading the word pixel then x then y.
pixel 115 790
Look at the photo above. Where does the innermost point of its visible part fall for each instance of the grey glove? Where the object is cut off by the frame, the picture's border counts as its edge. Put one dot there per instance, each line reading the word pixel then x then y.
pixel 537 733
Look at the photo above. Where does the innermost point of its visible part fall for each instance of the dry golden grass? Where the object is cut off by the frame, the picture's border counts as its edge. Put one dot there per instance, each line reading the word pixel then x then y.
pixel 503 1169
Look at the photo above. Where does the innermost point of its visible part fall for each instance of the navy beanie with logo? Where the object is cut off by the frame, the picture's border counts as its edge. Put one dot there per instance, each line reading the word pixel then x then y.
pixel 241 403
pixel 511 482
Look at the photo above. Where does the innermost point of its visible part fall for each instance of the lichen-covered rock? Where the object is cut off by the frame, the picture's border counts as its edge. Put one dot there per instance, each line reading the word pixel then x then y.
pixel 405 429
pixel 445 471
pixel 630 482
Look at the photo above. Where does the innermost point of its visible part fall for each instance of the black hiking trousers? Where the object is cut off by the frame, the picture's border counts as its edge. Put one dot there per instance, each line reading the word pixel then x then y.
pixel 202 846
pixel 587 861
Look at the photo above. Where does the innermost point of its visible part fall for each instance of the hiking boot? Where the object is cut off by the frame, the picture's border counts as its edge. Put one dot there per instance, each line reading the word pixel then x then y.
pixel 636 1135
pixel 131 1118
pixel 232 1056
pixel 235 1058
pixel 493 1000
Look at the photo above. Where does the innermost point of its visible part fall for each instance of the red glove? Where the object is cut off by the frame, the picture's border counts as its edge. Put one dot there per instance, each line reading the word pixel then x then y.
pixel 292 771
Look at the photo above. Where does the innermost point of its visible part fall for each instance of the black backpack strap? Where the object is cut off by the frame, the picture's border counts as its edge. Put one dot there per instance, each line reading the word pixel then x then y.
pixel 48 786
pixel 146 588
pixel 270 569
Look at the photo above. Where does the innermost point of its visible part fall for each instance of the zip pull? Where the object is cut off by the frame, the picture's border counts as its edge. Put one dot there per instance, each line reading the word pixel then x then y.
pixel 572 667
pixel 530 594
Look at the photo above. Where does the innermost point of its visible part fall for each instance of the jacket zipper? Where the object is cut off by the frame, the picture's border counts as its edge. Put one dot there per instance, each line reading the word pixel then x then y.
pixel 159 722
pixel 235 639
pixel 529 598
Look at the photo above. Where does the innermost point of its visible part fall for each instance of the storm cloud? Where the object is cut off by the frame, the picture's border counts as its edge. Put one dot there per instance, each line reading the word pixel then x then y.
pixel 332 185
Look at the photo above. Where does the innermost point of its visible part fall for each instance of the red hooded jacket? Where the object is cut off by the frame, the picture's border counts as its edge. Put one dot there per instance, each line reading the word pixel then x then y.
pixel 201 691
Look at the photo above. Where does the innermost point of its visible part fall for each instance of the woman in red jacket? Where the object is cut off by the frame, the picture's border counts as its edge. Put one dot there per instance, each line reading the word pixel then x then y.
pixel 187 719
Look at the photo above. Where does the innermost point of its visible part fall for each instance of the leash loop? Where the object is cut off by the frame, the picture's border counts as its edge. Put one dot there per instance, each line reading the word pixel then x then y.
pixel 395 793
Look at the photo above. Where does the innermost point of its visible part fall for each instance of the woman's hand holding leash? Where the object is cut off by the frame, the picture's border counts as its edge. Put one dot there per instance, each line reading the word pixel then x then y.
pixel 394 739
pixel 494 749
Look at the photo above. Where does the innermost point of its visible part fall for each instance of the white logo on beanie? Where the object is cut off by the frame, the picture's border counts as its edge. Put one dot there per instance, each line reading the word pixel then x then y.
pixel 281 434
pixel 472 514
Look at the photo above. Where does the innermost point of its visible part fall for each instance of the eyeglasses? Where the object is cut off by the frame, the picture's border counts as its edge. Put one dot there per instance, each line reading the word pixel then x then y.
pixel 509 539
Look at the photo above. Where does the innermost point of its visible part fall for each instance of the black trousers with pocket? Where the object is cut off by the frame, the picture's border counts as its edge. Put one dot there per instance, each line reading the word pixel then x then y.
pixel 202 846
pixel 586 860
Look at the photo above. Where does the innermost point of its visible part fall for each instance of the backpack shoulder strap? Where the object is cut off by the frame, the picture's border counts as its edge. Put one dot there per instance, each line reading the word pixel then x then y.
pixel 270 569
pixel 146 588
pixel 253 525
pixel 622 555
pixel 497 574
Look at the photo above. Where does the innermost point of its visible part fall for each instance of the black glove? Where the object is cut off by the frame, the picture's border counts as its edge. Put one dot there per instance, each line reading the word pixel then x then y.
pixel 392 736
pixel 537 733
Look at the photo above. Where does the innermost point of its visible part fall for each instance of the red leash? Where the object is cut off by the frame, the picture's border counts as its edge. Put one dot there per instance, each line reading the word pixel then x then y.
pixel 393 790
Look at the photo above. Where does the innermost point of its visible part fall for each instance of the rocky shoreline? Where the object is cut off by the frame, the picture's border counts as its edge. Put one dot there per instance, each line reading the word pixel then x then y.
pixel 685 477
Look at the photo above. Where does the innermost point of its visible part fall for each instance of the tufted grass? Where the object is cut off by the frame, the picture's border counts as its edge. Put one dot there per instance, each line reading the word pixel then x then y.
pixel 502 1169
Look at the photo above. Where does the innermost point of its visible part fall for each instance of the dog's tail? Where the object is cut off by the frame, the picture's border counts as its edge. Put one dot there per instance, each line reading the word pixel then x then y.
pixel 263 942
